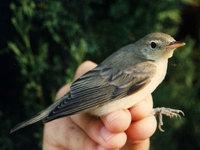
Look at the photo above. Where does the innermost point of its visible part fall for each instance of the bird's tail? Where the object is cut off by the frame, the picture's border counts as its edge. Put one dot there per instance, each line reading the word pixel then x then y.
pixel 40 116
pixel 32 120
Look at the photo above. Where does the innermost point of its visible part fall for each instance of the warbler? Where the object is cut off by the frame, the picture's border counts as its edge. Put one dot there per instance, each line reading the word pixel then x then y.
pixel 136 70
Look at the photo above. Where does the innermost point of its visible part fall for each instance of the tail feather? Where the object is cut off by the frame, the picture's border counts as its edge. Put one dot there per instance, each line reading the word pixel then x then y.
pixel 40 116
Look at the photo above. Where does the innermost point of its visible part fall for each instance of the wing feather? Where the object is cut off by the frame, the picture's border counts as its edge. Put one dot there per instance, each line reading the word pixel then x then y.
pixel 101 85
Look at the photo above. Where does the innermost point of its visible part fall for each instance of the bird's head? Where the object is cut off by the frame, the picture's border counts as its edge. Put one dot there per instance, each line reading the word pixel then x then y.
pixel 156 46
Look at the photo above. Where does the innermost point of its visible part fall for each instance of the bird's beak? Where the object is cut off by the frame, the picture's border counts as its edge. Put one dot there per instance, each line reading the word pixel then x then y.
pixel 175 44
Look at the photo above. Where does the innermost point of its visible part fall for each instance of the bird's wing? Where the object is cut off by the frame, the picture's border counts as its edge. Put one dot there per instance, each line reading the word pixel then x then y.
pixel 102 85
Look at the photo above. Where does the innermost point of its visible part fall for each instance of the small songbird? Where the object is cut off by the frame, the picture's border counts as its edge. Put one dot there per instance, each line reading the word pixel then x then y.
pixel 120 81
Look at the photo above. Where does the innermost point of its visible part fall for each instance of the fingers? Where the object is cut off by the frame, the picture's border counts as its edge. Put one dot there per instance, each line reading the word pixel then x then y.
pixel 83 68
pixel 142 129
pixel 98 132
pixel 117 121
pixel 63 134
pixel 142 109
pixel 137 145
pixel 120 120
pixel 143 125
pixel 142 145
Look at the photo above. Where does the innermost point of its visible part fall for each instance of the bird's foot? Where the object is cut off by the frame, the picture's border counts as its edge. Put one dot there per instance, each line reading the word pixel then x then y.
pixel 159 111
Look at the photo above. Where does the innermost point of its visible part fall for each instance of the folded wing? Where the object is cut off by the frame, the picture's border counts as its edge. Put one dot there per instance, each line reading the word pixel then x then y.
pixel 101 85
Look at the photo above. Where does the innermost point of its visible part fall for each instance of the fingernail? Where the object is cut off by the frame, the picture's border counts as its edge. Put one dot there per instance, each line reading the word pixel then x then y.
pixel 99 147
pixel 105 134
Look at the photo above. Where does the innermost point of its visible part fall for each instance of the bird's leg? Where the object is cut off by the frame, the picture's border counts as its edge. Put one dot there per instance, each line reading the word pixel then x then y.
pixel 159 111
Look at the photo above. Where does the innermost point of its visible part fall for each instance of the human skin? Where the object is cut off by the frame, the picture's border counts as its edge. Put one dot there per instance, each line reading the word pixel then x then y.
pixel 127 129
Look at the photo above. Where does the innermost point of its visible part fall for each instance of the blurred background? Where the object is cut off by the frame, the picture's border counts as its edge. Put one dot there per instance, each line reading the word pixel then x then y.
pixel 43 42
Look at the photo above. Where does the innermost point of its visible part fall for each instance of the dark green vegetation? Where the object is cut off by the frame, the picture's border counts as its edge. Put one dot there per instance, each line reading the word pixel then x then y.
pixel 42 43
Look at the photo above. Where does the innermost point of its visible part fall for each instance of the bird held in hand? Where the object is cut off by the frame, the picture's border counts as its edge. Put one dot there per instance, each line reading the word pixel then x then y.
pixel 136 70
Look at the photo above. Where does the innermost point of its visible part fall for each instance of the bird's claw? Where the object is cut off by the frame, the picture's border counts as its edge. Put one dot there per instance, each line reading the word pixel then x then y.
pixel 167 112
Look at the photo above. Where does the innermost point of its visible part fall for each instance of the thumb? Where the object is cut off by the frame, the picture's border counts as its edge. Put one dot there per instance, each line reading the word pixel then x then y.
pixel 83 68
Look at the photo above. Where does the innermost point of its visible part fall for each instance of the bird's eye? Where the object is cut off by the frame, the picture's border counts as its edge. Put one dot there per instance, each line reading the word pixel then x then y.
pixel 153 44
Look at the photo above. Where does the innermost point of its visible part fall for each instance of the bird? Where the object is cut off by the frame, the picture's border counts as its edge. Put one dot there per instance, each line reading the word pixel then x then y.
pixel 120 81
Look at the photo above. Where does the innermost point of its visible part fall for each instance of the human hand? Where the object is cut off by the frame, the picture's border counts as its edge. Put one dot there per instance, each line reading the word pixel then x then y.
pixel 123 129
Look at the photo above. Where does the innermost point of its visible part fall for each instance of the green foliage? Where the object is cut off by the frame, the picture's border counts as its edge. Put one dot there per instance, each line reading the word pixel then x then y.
pixel 52 38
